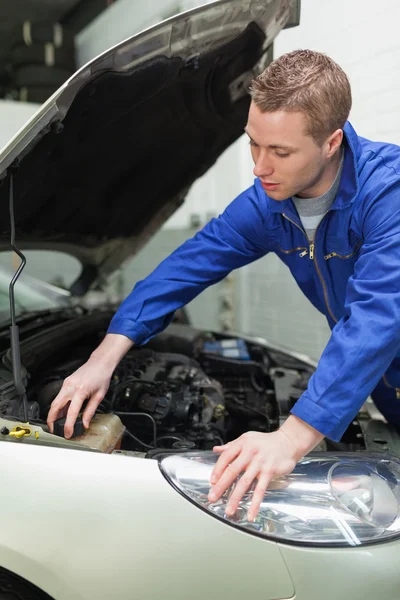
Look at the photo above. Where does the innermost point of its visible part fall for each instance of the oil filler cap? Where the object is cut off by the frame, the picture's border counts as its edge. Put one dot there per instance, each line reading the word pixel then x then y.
pixel 59 427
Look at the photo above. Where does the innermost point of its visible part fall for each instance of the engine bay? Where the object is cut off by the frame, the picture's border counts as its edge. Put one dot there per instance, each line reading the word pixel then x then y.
pixel 184 390
pixel 172 400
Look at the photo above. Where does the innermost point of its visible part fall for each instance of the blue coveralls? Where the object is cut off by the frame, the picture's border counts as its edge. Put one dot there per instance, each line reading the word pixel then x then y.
pixel 350 272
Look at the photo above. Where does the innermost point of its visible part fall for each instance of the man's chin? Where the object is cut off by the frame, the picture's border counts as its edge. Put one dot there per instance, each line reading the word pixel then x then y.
pixel 278 195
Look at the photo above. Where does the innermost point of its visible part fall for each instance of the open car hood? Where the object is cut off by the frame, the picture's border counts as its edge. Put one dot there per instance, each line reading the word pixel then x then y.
pixel 112 154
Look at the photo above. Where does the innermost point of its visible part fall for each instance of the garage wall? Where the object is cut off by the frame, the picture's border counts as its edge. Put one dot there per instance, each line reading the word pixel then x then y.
pixel 13 116
pixel 363 37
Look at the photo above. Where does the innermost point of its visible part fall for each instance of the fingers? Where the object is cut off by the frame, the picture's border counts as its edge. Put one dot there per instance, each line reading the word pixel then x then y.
pixel 78 399
pixel 222 448
pixel 86 383
pixel 91 408
pixel 226 457
pixel 258 496
pixel 241 488
pixel 230 474
pixel 61 413
pixel 61 401
pixel 254 456
pixel 69 395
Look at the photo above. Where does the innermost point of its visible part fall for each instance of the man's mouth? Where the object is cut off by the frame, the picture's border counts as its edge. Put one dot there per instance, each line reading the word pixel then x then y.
pixel 269 186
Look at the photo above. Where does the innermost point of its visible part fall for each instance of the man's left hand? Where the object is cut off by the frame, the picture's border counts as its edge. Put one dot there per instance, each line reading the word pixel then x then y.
pixel 261 457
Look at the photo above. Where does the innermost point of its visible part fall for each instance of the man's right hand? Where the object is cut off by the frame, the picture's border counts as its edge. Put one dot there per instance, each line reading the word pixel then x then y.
pixel 91 381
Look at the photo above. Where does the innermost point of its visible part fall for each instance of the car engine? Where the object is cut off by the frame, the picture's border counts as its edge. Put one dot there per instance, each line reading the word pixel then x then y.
pixel 184 390
pixel 180 400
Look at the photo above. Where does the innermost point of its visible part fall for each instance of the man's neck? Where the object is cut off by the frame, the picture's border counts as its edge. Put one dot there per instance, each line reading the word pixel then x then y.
pixel 326 179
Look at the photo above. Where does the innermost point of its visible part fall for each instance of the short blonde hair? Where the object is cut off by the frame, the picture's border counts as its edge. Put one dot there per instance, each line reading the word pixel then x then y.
pixel 308 82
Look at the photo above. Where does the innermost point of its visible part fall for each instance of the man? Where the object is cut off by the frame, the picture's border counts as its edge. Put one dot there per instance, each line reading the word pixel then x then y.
pixel 328 203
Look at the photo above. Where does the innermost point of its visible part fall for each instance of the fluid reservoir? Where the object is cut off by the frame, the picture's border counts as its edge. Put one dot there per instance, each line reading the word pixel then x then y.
pixel 104 433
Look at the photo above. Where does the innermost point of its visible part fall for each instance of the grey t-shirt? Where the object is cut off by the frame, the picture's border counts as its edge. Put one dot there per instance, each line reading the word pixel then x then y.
pixel 312 210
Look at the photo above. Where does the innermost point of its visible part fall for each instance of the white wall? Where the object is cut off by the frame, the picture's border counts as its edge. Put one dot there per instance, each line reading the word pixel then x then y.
pixel 13 116
pixel 363 37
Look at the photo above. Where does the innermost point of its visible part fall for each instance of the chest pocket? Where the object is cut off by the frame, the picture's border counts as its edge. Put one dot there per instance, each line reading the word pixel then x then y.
pixel 342 248
pixel 300 250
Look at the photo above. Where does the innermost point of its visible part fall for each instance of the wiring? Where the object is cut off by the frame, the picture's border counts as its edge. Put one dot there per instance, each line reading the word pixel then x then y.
pixel 139 441
pixel 146 415
pixel 256 386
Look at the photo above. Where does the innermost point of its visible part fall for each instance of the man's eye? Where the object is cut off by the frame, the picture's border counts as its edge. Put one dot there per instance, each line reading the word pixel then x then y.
pixel 253 144
pixel 282 155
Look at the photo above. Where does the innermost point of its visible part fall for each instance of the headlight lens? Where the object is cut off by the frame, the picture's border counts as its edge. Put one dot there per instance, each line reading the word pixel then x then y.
pixel 328 500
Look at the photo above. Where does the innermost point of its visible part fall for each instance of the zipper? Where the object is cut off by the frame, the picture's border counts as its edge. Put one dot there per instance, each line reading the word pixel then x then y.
pixel 304 251
pixel 332 254
pixel 314 258
pixel 327 257
pixel 298 226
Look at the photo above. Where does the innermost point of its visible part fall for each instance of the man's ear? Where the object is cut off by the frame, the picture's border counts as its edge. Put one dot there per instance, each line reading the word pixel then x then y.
pixel 334 141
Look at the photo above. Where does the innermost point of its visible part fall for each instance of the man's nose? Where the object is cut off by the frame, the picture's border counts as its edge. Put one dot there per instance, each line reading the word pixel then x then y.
pixel 263 166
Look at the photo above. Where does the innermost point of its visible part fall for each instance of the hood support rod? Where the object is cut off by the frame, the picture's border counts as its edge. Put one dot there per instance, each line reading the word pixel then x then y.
pixel 14 330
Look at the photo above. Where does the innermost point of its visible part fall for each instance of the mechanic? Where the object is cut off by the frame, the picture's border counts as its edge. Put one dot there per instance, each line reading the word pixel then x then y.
pixel 327 202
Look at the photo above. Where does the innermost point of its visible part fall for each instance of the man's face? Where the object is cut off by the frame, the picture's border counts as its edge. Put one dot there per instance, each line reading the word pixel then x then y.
pixel 287 161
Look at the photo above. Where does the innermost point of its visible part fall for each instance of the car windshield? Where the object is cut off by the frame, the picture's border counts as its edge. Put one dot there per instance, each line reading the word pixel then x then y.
pixel 43 283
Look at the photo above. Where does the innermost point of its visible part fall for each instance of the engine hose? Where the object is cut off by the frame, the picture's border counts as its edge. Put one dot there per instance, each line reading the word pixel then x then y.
pixel 140 414
pixel 254 383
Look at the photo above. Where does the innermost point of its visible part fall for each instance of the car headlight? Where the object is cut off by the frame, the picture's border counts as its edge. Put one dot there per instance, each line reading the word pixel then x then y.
pixel 328 500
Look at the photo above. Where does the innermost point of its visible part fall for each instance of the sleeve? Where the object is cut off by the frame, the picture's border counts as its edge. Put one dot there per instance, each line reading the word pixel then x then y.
pixel 367 338
pixel 235 238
